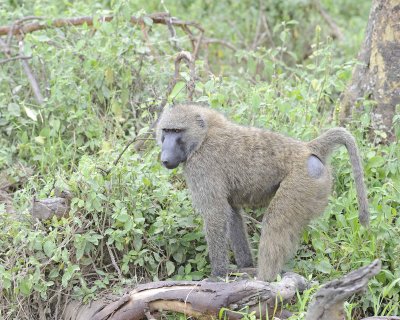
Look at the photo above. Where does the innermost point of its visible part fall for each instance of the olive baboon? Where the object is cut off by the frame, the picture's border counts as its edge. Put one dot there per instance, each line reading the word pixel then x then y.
pixel 228 166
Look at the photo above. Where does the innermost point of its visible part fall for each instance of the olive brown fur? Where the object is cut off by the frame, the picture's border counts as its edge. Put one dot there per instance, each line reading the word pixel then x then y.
pixel 228 166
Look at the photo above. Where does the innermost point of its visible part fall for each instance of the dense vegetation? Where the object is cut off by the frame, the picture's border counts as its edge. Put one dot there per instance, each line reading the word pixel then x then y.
pixel 136 223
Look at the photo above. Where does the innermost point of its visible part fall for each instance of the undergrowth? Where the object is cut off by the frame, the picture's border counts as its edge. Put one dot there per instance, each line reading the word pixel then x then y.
pixel 136 222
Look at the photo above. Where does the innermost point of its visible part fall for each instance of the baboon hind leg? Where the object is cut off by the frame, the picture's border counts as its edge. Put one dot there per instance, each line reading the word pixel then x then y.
pixel 295 203
pixel 237 233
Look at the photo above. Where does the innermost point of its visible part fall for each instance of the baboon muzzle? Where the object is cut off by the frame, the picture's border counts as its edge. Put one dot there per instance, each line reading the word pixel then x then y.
pixel 171 153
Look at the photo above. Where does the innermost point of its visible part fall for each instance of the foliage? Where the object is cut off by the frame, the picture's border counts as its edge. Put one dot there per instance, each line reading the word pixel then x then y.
pixel 136 222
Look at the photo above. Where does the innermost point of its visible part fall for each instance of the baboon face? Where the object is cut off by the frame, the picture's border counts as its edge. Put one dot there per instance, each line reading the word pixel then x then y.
pixel 173 148
pixel 180 132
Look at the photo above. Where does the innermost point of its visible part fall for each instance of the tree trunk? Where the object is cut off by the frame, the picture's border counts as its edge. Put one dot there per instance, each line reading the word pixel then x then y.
pixel 377 77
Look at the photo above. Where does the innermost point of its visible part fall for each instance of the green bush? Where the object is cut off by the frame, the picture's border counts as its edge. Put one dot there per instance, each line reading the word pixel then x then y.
pixel 136 222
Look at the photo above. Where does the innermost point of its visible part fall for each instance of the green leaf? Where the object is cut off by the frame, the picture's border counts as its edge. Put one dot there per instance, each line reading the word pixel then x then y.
pixel 324 266
pixel 68 274
pixel 32 114
pixel 177 91
pixel 49 248
pixel 122 217
pixel 54 273
pixel 170 267
pixel 14 109
pixel 26 286
pixel 39 139
pixel 109 76
pixel 178 256
pixel 146 181
pixel 376 162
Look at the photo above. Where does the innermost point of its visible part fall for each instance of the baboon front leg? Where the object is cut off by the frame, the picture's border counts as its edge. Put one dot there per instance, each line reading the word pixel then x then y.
pixel 216 225
pixel 237 233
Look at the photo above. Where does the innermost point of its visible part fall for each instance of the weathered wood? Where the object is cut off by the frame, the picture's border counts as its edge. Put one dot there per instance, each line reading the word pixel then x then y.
pixel 382 318
pixel 195 299
pixel 57 206
pixel 328 301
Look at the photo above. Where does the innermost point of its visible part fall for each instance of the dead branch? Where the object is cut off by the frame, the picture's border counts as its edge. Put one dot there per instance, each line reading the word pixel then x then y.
pixel 18 24
pixel 5 48
pixel 189 59
pixel 172 37
pixel 263 32
pixel 328 301
pixel 158 18
pixel 31 78
pixel 335 30
pixel 194 299
pixel 15 58
pixel 221 42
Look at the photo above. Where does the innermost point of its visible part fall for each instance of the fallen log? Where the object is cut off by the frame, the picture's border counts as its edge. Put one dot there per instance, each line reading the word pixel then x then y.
pixel 328 301
pixel 195 299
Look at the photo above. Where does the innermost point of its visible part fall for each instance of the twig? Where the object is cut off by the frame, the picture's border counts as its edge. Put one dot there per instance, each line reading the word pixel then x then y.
pixel 221 42
pixel 258 27
pixel 252 219
pixel 336 33
pixel 184 55
pixel 172 38
pixel 114 263
pixel 147 40
pixel 5 48
pixel 158 18
pixel 31 78
pixel 262 30
pixel 17 24
pixel 188 58
pixel 15 58
pixel 198 44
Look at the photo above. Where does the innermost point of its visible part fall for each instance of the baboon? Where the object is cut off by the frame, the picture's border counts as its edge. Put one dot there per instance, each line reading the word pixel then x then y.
pixel 228 167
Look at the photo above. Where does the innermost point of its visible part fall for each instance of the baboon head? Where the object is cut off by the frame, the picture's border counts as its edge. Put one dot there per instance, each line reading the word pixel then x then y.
pixel 180 131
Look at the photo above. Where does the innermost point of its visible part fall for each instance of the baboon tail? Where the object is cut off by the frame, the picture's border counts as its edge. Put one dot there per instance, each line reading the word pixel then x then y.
pixel 323 147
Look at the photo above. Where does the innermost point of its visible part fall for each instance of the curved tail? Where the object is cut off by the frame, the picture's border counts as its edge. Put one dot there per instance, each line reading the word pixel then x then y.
pixel 326 143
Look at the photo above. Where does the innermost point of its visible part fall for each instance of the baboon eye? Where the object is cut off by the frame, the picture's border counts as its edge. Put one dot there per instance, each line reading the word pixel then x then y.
pixel 173 130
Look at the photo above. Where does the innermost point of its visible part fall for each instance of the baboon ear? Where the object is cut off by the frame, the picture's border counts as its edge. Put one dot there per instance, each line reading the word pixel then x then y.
pixel 200 121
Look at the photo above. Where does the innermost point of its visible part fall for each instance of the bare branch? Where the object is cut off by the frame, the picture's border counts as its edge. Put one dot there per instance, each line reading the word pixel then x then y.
pixel 158 18
pixel 189 59
pixel 5 48
pixel 31 78
pixel 221 42
pixel 18 24
pixel 15 58
pixel 335 30
pixel 114 263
